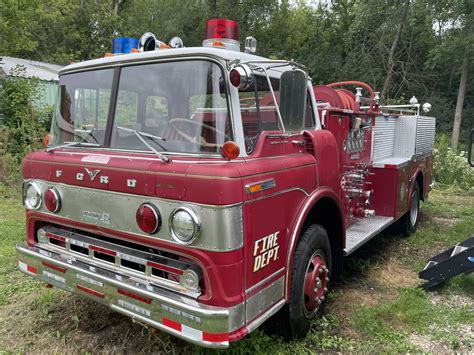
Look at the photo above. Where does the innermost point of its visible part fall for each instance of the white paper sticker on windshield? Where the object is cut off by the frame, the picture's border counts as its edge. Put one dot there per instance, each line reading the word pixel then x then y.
pixel 99 159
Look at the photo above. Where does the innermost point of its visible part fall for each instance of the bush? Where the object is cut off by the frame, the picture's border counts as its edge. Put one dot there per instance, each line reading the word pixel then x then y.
pixel 23 125
pixel 451 168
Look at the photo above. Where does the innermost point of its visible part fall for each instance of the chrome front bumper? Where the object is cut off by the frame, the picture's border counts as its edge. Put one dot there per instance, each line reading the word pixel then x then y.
pixel 181 316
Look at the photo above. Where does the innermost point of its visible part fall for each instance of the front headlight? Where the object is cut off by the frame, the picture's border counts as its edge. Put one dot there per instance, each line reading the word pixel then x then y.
pixel 31 195
pixel 184 225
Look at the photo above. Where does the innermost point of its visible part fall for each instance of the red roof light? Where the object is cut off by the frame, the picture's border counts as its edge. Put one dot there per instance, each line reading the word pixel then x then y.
pixel 222 28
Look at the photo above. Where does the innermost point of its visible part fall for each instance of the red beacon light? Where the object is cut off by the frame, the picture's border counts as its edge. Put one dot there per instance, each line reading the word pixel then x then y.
pixel 222 33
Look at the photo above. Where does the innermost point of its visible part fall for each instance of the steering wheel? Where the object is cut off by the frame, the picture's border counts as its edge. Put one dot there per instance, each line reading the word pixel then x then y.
pixel 195 139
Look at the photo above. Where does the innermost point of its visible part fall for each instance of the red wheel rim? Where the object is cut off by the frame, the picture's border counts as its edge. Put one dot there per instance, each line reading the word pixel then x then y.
pixel 315 283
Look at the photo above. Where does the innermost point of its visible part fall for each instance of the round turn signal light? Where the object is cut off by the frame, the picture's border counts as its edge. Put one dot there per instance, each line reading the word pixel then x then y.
pixel 52 200
pixel 230 150
pixel 148 218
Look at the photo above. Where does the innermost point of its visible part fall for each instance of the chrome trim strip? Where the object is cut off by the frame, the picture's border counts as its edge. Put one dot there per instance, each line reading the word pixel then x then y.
pixel 275 194
pixel 222 226
pixel 262 282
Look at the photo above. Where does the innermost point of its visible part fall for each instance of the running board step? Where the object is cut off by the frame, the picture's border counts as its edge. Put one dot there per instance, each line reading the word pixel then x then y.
pixel 363 230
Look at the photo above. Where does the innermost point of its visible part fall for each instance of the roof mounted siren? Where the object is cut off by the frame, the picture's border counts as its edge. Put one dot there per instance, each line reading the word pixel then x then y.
pixel 222 33
pixel 148 42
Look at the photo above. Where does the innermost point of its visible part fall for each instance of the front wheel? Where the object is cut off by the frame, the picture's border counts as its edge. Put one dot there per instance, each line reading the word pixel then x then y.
pixel 310 279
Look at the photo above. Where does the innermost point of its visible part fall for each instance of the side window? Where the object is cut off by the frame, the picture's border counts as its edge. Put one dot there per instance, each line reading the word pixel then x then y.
pixel 156 111
pixel 91 109
pixel 258 110
pixel 126 109
pixel 209 114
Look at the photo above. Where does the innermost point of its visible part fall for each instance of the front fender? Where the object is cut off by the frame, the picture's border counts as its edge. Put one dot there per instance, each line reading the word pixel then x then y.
pixel 302 215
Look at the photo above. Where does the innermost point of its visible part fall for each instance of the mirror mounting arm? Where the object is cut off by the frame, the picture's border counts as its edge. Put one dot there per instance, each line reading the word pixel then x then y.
pixel 277 108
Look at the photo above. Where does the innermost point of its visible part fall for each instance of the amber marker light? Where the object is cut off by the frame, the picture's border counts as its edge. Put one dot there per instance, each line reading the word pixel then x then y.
pixel 255 188
pixel 218 44
pixel 230 150
pixel 46 139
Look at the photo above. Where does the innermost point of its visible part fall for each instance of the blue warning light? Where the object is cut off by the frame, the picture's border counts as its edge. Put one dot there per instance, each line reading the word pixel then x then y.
pixel 124 45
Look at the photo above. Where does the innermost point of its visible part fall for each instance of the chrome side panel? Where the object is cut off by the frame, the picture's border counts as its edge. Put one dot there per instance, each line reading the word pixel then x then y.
pixel 221 226
pixel 264 299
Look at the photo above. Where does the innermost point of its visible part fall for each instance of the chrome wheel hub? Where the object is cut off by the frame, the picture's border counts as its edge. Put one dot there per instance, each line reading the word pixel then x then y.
pixel 315 283
pixel 414 208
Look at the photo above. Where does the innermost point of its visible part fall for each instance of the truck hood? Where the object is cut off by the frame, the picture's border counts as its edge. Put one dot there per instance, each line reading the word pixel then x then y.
pixel 200 180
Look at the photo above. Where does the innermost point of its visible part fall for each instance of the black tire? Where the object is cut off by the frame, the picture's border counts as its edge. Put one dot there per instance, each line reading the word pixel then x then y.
pixel 294 319
pixel 406 225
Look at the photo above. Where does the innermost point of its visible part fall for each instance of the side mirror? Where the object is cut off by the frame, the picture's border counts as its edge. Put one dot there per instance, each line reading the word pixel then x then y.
pixel 293 91
pixel 470 143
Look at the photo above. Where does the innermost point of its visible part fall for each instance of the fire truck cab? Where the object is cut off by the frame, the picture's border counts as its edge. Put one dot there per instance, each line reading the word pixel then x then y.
pixel 204 190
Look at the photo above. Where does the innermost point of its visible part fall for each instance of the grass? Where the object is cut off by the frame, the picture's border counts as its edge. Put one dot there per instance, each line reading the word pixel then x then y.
pixel 375 307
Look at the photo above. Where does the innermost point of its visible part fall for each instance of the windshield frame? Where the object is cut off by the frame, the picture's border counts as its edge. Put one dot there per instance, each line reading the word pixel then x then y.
pixel 117 66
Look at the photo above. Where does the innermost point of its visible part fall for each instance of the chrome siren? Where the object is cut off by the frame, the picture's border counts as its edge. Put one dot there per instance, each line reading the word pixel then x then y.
pixel 147 42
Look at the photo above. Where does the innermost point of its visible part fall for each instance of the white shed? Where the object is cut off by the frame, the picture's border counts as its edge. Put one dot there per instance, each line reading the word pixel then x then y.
pixel 47 73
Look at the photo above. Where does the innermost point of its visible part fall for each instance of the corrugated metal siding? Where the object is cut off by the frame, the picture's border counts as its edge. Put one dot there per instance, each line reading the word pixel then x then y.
pixel 425 134
pixel 405 135
pixel 384 137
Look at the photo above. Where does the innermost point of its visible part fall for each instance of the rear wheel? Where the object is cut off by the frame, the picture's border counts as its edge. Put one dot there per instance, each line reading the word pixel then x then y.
pixel 310 279
pixel 407 224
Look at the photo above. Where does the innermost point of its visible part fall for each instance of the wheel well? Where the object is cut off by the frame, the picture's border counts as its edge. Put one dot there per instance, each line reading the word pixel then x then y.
pixel 326 213
pixel 419 181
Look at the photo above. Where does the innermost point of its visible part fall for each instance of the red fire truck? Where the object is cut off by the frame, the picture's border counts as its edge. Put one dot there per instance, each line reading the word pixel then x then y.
pixel 204 190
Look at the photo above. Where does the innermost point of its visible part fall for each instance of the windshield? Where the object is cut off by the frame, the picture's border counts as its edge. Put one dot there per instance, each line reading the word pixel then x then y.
pixel 175 107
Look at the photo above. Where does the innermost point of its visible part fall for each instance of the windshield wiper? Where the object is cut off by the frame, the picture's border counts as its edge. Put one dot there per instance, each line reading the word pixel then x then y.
pixel 73 144
pixel 155 139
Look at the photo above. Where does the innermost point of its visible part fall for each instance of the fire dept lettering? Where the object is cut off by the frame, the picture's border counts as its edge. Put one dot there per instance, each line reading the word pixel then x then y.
pixel 265 251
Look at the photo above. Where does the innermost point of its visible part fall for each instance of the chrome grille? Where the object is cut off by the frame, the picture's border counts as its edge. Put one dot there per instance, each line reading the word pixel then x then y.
pixel 157 269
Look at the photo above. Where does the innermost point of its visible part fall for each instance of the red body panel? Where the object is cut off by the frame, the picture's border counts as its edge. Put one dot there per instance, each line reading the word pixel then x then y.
pixel 299 169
